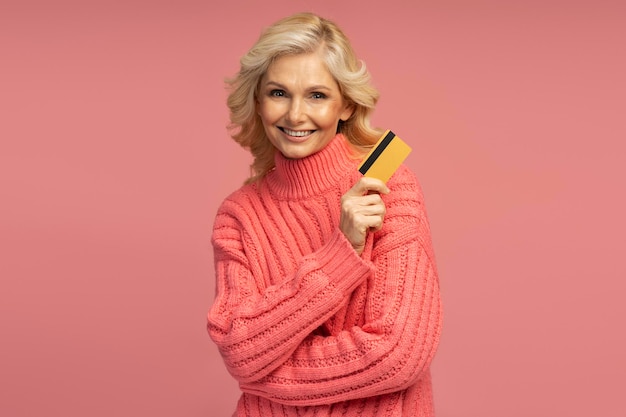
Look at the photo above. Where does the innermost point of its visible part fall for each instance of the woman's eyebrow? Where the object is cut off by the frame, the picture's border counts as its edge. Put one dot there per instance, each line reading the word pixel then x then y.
pixel 319 87
pixel 275 84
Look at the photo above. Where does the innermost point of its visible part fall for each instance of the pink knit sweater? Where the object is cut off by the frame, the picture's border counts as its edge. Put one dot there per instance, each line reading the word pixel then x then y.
pixel 307 326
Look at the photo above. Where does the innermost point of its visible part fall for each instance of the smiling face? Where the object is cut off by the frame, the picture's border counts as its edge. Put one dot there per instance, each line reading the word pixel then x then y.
pixel 300 105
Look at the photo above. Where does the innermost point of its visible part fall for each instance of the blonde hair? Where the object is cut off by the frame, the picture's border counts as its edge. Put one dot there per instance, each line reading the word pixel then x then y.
pixel 300 34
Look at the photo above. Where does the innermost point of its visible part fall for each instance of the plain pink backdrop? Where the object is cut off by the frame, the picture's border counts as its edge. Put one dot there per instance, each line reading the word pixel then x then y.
pixel 114 157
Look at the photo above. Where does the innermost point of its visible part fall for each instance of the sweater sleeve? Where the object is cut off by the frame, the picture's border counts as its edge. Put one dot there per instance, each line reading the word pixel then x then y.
pixel 257 327
pixel 395 345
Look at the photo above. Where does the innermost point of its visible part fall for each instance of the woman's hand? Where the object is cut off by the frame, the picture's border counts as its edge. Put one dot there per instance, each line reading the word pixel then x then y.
pixel 362 209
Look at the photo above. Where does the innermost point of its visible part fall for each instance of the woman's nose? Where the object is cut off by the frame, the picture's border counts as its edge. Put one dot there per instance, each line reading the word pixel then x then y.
pixel 296 114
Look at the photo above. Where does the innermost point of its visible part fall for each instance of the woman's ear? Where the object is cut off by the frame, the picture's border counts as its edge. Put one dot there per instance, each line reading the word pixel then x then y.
pixel 347 112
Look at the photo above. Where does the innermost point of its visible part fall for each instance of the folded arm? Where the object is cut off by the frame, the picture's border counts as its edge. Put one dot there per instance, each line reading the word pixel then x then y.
pixel 256 329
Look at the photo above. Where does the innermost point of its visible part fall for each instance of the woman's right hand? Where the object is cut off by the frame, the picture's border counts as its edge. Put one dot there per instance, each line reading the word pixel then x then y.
pixel 362 210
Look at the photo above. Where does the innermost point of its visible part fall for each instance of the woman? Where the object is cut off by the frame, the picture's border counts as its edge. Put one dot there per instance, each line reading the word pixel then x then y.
pixel 327 297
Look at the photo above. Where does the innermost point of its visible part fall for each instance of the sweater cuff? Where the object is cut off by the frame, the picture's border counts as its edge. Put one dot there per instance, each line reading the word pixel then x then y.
pixel 343 266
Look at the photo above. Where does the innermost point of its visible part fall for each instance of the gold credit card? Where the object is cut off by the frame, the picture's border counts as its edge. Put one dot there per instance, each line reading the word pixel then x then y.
pixel 385 157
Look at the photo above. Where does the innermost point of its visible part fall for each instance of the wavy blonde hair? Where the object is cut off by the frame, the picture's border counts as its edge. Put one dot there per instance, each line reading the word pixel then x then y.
pixel 300 34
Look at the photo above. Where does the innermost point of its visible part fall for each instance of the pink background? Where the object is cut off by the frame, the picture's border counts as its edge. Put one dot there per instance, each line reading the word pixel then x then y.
pixel 114 157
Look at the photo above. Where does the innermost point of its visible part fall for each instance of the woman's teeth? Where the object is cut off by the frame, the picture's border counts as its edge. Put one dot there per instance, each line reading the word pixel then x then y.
pixel 297 133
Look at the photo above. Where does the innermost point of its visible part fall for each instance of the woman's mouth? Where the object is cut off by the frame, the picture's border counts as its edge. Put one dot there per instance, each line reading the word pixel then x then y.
pixel 296 133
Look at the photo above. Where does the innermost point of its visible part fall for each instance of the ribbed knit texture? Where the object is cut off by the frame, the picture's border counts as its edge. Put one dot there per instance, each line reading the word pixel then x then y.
pixel 306 325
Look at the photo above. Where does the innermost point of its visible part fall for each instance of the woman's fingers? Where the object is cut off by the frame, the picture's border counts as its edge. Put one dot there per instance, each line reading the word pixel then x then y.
pixel 367 185
pixel 362 209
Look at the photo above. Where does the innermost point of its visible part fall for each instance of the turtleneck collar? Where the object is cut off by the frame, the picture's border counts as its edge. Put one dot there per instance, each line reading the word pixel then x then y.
pixel 314 174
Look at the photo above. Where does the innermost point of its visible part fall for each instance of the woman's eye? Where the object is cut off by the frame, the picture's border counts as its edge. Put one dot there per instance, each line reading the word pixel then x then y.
pixel 277 93
pixel 318 96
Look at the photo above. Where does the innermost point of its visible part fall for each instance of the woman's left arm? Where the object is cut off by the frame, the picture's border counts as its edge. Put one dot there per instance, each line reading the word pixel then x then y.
pixel 395 345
